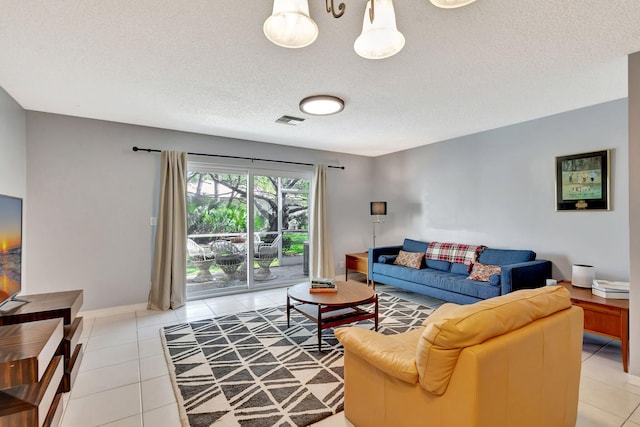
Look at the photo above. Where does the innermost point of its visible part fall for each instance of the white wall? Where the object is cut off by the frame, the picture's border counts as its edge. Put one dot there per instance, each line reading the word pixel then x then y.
pixel 634 211
pixel 13 152
pixel 91 198
pixel 13 160
pixel 497 188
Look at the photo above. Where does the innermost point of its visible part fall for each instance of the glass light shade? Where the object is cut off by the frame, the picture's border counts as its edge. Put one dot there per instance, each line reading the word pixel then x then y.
pixel 378 208
pixel 380 38
pixel 290 24
pixel 451 4
pixel 321 105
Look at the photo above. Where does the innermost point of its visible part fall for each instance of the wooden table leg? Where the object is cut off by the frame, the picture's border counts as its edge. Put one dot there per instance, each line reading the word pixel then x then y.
pixel 624 339
pixel 346 268
pixel 376 318
pixel 319 327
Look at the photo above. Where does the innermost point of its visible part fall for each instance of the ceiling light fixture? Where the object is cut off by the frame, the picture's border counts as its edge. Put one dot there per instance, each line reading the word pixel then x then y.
pixel 291 26
pixel 321 105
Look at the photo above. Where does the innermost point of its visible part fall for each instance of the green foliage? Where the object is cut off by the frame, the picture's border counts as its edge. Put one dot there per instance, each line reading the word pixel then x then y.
pixel 206 216
pixel 217 203
pixel 295 244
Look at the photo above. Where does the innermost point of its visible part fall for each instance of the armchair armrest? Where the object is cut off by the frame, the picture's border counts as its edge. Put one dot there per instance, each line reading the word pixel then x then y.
pixel 524 275
pixel 384 352
pixel 374 253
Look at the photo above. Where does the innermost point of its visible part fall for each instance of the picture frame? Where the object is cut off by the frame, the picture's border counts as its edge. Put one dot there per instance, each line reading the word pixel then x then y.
pixel 582 181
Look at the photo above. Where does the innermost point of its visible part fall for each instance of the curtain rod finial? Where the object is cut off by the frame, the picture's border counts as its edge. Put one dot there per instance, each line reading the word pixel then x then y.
pixel 135 148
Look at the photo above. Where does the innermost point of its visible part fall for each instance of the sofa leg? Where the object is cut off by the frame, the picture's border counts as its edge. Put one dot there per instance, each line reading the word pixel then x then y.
pixel 373 285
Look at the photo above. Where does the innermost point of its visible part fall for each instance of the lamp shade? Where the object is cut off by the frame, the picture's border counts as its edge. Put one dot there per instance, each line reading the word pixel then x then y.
pixel 379 39
pixel 451 4
pixel 290 24
pixel 378 208
pixel 582 275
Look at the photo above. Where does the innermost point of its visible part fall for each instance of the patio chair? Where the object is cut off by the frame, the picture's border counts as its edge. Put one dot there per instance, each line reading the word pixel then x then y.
pixel 228 257
pixel 264 256
pixel 202 258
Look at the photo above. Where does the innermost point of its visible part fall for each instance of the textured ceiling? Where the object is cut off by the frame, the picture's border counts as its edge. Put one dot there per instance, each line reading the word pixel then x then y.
pixel 206 67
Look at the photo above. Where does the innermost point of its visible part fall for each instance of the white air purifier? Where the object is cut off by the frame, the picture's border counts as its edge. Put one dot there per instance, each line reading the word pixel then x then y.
pixel 582 275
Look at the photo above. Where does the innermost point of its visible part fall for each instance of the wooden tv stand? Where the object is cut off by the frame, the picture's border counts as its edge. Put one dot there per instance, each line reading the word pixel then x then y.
pixel 39 357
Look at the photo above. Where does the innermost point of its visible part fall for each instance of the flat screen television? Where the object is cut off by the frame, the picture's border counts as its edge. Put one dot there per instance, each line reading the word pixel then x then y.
pixel 10 247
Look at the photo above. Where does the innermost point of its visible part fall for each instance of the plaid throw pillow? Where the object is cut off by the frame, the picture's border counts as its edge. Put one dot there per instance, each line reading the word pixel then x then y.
pixel 482 272
pixel 409 259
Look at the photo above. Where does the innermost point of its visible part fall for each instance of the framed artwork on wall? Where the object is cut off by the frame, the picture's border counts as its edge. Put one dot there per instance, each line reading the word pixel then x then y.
pixel 582 181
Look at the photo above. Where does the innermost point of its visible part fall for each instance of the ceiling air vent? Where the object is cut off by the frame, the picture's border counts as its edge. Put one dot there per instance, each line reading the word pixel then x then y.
pixel 290 120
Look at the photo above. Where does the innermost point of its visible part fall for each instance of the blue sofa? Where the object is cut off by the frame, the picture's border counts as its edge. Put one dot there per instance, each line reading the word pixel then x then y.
pixel 448 281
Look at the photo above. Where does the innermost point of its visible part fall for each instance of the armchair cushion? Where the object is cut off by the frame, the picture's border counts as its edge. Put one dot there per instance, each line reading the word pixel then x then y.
pixel 447 334
pixel 393 354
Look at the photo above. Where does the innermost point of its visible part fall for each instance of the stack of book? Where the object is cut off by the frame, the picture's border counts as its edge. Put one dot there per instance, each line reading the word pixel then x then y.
pixel 320 285
pixel 608 289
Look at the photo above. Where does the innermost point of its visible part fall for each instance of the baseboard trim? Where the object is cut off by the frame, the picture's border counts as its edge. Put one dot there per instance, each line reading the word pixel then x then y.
pixel 110 311
pixel 633 380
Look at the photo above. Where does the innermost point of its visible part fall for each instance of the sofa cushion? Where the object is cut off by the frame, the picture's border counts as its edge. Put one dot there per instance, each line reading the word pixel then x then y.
pixel 436 264
pixel 410 245
pixel 505 256
pixel 459 268
pixel 409 259
pixel 482 272
pixel 447 335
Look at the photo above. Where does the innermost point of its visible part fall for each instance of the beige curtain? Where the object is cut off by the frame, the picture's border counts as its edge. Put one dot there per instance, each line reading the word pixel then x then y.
pixel 168 281
pixel 321 253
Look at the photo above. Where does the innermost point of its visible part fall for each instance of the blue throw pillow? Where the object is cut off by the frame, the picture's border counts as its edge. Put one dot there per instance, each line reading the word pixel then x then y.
pixel 494 280
pixel 387 259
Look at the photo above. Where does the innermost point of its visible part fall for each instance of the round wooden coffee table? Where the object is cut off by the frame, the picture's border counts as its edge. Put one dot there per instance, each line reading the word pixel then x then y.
pixel 333 309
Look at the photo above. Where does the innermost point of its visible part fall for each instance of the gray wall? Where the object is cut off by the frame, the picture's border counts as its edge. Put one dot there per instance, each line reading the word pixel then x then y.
pixel 13 159
pixel 497 188
pixel 91 199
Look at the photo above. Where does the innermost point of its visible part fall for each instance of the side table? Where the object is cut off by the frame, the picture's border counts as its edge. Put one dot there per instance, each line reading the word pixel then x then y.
pixel 65 305
pixel 603 316
pixel 359 262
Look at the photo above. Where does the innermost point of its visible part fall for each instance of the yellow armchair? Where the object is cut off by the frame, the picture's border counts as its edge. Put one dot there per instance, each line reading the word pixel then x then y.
pixel 509 361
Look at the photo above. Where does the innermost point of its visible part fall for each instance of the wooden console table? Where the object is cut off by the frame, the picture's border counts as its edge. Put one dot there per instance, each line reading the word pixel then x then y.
pixel 602 316
pixel 39 357
pixel 358 262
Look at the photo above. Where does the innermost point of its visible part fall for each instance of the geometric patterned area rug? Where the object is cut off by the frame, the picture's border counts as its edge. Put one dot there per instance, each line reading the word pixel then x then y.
pixel 250 370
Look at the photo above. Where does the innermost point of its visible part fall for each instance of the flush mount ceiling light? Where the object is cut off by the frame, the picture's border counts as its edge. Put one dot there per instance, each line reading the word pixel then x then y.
pixel 291 26
pixel 321 105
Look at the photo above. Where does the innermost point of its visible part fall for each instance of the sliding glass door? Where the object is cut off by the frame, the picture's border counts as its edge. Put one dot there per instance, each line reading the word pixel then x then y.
pixel 281 219
pixel 227 253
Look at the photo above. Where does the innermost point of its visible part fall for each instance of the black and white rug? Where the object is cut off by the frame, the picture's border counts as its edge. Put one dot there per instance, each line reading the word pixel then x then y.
pixel 249 370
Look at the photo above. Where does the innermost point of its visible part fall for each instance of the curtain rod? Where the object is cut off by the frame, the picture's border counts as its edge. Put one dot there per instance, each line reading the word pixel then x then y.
pixel 151 150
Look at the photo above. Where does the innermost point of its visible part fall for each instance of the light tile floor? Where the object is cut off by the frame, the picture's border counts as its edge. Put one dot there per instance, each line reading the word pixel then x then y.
pixel 124 381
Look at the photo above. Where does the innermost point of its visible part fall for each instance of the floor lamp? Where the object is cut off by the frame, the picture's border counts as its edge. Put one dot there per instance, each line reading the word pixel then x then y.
pixel 377 209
